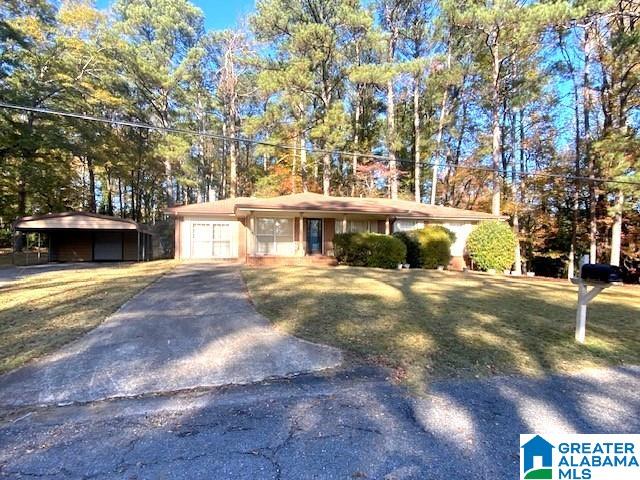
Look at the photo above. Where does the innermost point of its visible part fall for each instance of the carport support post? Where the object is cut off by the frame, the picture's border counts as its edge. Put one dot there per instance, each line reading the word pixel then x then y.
pixel 138 249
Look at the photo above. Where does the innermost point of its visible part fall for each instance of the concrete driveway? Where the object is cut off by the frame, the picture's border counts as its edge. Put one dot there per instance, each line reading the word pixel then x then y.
pixel 195 327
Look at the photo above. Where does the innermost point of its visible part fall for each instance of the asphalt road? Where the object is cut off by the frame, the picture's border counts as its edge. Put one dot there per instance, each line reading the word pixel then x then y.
pixel 342 426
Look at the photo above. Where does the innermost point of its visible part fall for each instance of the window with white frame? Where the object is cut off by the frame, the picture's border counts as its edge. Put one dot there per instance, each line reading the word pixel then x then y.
pixel 357 226
pixel 407 225
pixel 274 236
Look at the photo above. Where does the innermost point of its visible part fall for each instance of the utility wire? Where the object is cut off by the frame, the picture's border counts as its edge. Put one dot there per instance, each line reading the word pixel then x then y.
pixel 373 156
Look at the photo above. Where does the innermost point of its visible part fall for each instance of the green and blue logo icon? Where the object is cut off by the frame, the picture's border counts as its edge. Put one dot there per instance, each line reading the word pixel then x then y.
pixel 536 460
pixel 574 456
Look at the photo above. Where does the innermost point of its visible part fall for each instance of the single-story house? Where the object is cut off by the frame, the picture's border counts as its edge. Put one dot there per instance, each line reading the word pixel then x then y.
pixel 292 228
pixel 89 237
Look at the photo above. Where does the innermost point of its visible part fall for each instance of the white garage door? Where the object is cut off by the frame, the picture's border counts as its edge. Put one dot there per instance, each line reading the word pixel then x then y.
pixel 211 240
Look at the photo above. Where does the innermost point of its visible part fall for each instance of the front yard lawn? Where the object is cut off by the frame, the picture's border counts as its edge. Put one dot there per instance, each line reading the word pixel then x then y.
pixel 425 323
pixel 42 312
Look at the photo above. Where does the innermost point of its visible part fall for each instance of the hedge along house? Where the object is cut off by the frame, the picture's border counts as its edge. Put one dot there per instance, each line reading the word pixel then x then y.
pixel 89 237
pixel 299 228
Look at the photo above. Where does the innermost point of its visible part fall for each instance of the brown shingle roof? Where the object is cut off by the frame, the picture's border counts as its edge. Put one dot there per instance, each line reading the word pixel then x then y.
pixel 219 207
pixel 304 202
pixel 76 221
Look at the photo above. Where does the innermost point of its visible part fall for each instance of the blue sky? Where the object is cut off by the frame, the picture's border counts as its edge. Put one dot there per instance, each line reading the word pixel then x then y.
pixel 218 14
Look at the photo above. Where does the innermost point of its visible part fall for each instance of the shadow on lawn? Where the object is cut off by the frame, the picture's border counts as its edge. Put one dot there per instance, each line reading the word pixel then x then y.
pixel 38 325
pixel 470 325
pixel 343 427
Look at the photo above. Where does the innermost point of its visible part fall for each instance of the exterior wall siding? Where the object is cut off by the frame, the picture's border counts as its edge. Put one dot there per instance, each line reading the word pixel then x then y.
pixel 72 246
pixel 241 239
pixel 131 246
pixel 329 231
pixel 243 245
pixel 177 242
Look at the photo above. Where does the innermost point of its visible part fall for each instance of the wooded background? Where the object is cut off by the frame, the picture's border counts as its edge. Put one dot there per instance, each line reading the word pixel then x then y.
pixel 515 107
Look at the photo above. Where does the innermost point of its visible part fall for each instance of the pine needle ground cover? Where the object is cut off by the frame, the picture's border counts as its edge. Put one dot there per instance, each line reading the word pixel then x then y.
pixel 427 324
pixel 42 312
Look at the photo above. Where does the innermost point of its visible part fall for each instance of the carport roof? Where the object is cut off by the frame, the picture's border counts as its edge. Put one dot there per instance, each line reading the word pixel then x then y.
pixel 315 202
pixel 76 221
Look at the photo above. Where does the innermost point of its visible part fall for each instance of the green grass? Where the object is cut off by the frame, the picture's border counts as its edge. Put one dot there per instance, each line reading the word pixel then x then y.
pixel 441 324
pixel 40 313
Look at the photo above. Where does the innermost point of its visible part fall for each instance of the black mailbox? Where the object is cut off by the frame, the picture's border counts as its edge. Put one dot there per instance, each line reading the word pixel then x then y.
pixel 599 272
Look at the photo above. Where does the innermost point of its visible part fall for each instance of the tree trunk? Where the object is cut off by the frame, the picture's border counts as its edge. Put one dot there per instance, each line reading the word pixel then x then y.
pixel 391 140
pixel 120 198
pixel 576 187
pixel 517 263
pixel 223 165
pixel 168 175
pixel 109 194
pixel 434 172
pixel 443 115
pixel 523 191
pixel 417 168
pixel 616 230
pixel 233 160
pixel 303 162
pixel 326 173
pixel 356 143
pixel 22 197
pixel 294 161
pixel 589 160
pixel 92 185
pixel 497 133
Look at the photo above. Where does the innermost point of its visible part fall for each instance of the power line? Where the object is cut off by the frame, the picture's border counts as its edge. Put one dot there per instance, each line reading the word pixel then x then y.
pixel 373 156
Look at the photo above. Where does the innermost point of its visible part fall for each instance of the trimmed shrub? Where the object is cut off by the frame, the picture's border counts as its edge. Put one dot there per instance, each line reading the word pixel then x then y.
pixel 413 248
pixel 491 245
pixel 369 250
pixel 435 245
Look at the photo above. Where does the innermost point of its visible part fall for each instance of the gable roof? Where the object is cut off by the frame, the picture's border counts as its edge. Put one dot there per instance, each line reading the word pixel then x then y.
pixel 219 207
pixel 316 202
pixel 76 221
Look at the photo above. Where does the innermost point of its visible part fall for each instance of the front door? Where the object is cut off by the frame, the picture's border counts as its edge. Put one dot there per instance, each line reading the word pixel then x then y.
pixel 314 235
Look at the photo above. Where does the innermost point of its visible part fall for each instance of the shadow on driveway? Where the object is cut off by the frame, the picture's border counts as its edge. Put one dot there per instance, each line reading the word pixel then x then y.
pixel 350 425
pixel 194 327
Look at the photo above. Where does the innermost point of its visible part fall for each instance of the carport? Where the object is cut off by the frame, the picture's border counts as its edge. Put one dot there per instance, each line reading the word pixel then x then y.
pixel 88 237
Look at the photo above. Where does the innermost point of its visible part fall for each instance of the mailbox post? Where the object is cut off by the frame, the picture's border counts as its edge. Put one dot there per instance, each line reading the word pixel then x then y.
pixel 598 277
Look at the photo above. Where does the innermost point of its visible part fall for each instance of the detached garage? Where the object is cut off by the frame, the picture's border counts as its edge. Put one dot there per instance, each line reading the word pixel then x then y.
pixel 89 237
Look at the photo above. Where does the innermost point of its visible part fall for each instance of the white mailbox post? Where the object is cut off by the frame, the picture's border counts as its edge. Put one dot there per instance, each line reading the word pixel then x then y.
pixel 584 297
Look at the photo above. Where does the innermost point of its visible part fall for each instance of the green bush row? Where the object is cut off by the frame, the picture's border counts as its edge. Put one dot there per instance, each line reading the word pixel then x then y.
pixel 369 250
pixel 429 247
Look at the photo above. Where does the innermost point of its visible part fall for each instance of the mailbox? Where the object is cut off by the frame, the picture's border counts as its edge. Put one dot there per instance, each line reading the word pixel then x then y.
pixel 598 272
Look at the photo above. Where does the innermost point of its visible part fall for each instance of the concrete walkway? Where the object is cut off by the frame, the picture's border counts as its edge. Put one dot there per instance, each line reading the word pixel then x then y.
pixel 195 327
